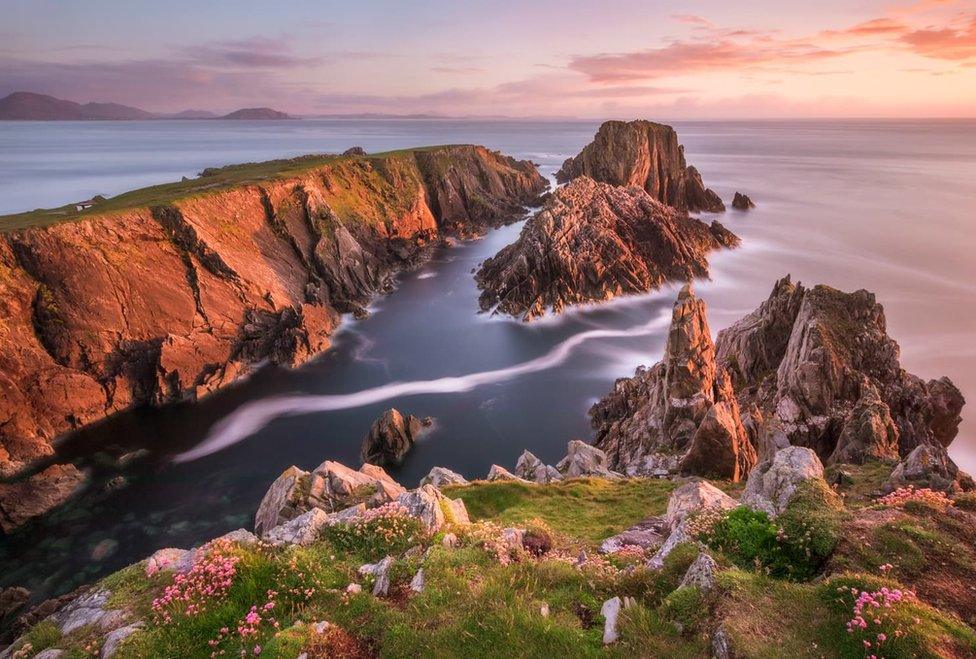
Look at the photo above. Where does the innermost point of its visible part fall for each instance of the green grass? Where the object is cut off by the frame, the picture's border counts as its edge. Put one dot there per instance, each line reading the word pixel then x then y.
pixel 587 509
pixel 216 180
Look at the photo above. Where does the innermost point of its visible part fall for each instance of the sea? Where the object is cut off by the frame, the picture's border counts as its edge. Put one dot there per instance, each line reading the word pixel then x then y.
pixel 888 206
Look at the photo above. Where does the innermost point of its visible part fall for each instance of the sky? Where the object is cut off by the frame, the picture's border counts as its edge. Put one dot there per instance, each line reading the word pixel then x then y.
pixel 706 59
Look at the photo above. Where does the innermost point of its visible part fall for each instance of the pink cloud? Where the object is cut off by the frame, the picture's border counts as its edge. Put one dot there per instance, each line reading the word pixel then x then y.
pixel 949 43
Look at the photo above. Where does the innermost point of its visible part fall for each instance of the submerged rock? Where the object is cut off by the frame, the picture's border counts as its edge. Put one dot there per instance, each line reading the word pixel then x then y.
pixel 646 155
pixel 681 415
pixel 593 242
pixel 24 500
pixel 390 438
pixel 742 202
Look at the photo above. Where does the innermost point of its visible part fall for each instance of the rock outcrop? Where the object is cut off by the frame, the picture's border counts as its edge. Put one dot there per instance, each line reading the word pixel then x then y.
pixel 145 305
pixel 815 367
pixel 592 242
pixel 810 367
pixel 391 437
pixel 533 469
pixel 742 202
pixel 645 155
pixel 441 476
pixel 681 415
pixel 773 483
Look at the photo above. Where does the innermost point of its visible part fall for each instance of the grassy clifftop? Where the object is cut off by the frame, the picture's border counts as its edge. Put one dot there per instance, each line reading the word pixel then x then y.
pixel 481 597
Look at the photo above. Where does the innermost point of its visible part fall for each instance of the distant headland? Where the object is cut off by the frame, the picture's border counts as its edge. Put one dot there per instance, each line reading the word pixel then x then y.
pixel 29 106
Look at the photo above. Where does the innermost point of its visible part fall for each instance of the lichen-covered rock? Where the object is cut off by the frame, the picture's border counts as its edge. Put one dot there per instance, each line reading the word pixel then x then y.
pixel 417 583
pixel 645 155
pixel 433 509
pixel 286 499
pixel 115 638
pixel 88 609
pixel 701 573
pixel 593 242
pixel 381 574
pixel 610 612
pixel 441 476
pixel 533 469
pixel 773 483
pixel 169 559
pixel 335 486
pixel 390 438
pixel 681 415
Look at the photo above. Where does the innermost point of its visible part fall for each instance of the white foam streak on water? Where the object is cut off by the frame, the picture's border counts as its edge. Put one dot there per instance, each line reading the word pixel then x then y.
pixel 252 417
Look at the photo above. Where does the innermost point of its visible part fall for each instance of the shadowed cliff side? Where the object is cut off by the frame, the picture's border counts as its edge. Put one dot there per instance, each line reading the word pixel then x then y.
pixel 176 296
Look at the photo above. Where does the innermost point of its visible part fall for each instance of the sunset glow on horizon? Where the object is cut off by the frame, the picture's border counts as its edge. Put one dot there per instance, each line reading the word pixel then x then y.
pixel 704 59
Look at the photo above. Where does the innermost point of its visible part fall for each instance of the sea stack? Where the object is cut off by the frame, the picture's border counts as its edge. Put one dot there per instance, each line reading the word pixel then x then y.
pixel 391 437
pixel 594 241
pixel 742 202
pixel 646 155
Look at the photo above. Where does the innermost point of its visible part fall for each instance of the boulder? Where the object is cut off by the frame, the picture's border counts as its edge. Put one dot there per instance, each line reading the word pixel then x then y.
pixel 773 483
pixel 417 583
pixel 335 486
pixel 645 155
pixel 701 573
pixel 693 497
pixel 88 609
pixel 928 465
pixel 302 531
pixel 115 638
pixel 433 509
pixel 499 473
pixel 611 613
pixel 286 499
pixel 533 469
pixel 584 460
pixel 381 575
pixel 591 242
pixel 742 202
pixel 241 537
pixel 648 533
pixel 441 476
pixel 390 438
pixel 169 559
pixel 681 415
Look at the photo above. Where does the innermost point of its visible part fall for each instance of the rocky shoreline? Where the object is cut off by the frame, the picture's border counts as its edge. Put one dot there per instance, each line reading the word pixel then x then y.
pixel 166 302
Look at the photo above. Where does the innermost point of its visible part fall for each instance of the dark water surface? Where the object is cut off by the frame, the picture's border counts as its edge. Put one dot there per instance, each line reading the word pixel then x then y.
pixel 887 206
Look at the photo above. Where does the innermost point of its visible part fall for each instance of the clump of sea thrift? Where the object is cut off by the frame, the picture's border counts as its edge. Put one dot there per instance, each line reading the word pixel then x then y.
pixel 874 617
pixel 909 494
pixel 210 577
pixel 248 629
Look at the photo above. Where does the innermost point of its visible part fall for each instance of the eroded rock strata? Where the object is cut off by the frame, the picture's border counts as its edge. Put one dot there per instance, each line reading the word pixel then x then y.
pixel 594 241
pixel 169 301
pixel 646 155
pixel 811 367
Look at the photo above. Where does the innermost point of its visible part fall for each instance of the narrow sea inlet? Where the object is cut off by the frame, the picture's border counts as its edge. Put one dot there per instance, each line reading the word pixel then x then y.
pixel 885 206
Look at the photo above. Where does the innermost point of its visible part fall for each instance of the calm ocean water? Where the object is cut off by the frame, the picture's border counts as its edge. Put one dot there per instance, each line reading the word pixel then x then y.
pixel 888 206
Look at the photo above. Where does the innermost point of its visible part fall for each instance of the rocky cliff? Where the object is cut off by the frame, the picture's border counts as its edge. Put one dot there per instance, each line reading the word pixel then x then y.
pixel 812 367
pixel 594 241
pixel 681 415
pixel 646 155
pixel 151 302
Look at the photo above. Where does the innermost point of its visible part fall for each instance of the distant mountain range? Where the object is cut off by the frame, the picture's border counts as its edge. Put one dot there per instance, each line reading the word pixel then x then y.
pixel 28 106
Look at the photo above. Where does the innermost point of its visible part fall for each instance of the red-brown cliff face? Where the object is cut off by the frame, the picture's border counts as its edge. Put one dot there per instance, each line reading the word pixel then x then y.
pixel 646 155
pixel 170 301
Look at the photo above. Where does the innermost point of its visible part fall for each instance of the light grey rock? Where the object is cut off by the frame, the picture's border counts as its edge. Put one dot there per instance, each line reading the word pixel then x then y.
pixel 321 626
pixel 678 536
pixel 114 639
pixel 302 531
pixel 533 469
pixel 335 486
pixel 648 533
pixel 50 653
pixel 169 559
pixel 424 504
pixel 354 588
pixel 701 573
pixel 241 537
pixel 722 644
pixel 499 473
pixel 449 541
pixel 693 497
pixel 286 499
pixel 381 575
pixel 88 609
pixel 611 612
pixel 773 483
pixel 441 476
pixel 927 465
pixel 513 537
pixel 417 583
pixel 583 460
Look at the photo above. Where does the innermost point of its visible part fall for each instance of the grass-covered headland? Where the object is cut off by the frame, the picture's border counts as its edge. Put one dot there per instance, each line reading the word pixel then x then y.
pixel 839 573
